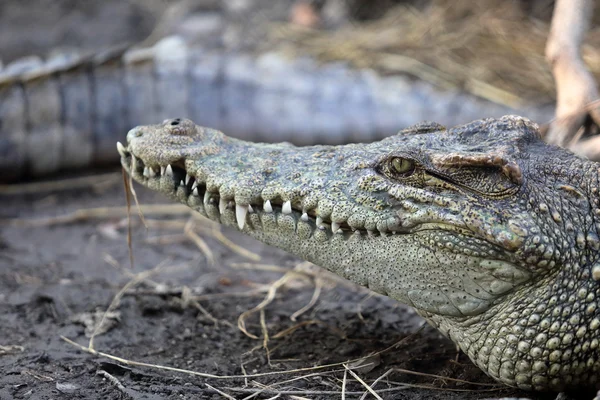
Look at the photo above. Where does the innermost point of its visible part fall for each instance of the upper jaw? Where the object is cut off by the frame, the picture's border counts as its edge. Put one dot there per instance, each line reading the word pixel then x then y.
pixel 189 187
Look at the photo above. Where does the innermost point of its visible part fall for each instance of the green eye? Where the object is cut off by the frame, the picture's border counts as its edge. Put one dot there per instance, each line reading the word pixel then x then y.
pixel 402 166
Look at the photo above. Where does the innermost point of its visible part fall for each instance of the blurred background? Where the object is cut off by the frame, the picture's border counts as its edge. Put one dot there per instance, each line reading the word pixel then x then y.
pixel 305 71
pixel 499 42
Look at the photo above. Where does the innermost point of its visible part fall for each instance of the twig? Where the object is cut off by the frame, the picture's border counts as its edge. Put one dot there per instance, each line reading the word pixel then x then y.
pixel 309 392
pixel 217 234
pixel 259 267
pixel 113 380
pixel 220 392
pixel 188 298
pixel 266 301
pixel 369 388
pixel 133 193
pixel 313 300
pixel 127 188
pixel 344 384
pixel 195 373
pixel 96 213
pixel 61 185
pixel 376 381
pixel 406 371
pixel 37 375
pixel 265 333
pixel 294 328
pixel 11 349
pixel 198 241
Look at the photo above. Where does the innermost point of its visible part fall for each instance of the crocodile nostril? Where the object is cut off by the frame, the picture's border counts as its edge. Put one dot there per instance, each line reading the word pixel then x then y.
pixel 175 122
pixel 133 133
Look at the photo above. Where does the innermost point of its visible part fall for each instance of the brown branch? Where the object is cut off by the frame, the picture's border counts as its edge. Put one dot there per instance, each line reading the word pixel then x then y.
pixel 575 85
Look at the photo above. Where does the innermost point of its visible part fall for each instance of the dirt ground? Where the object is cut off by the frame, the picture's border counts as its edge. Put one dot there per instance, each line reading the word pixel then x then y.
pixel 58 276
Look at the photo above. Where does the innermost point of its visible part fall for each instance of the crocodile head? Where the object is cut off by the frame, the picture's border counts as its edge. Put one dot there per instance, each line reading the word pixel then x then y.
pixel 484 229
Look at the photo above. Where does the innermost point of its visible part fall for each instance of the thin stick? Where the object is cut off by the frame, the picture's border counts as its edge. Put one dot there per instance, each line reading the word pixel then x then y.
pixel 266 301
pixel 112 380
pixel 198 241
pixel 314 392
pixel 195 373
pixel 217 234
pixel 126 187
pixel 409 372
pixel 378 397
pixel 85 214
pixel 294 328
pixel 56 186
pixel 313 300
pixel 344 384
pixel 220 392
pixel 259 267
pixel 265 333
pixel 134 194
pixel 376 381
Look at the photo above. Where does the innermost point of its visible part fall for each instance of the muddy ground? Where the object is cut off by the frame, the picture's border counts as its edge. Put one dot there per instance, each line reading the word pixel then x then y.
pixel 57 273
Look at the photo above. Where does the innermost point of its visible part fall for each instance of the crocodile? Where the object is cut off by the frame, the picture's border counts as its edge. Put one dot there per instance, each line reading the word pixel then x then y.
pixel 487 231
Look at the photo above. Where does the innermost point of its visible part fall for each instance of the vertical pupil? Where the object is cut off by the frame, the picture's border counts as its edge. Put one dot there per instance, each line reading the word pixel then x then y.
pixel 402 166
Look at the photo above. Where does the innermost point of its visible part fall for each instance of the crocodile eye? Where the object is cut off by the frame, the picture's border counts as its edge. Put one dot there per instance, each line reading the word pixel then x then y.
pixel 402 166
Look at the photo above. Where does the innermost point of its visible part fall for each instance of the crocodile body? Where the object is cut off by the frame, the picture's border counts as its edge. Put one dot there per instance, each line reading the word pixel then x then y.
pixel 489 233
pixel 68 111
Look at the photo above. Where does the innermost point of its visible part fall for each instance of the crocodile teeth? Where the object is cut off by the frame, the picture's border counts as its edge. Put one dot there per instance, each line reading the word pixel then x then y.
pixel 334 227
pixel 222 205
pixel 304 217
pixel 195 192
pixel 319 222
pixel 149 172
pixel 182 183
pixel 250 209
pixel 162 170
pixel 267 206
pixel 169 170
pixel 206 197
pixel 134 162
pixel 187 178
pixel 121 149
pixel 287 207
pixel 194 185
pixel 240 214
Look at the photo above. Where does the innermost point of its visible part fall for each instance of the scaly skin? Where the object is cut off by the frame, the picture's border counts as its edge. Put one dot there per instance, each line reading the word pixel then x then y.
pixel 485 230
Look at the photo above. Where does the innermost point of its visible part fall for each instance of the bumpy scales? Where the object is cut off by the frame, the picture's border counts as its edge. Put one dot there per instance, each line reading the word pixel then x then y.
pixel 489 233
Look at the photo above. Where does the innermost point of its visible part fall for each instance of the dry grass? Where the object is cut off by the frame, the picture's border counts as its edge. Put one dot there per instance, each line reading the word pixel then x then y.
pixel 493 49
